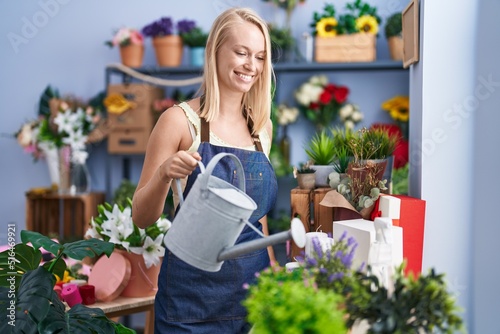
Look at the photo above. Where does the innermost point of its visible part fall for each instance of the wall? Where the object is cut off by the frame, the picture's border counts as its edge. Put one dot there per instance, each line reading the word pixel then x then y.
pixel 485 228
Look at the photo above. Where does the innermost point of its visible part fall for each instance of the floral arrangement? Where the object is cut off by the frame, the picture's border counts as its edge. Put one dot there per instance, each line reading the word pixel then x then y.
pixel 350 115
pixel 114 224
pixel 320 100
pixel 286 115
pixel 398 108
pixel 61 122
pixel 325 288
pixel 126 36
pixel 360 17
pixel 191 34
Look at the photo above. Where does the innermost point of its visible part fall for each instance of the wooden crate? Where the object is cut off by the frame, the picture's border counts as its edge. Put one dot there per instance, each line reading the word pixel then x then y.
pixel 315 217
pixel 346 48
pixel 67 216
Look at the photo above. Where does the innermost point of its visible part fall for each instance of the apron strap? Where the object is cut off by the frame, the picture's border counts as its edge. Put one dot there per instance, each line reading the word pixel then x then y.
pixel 205 129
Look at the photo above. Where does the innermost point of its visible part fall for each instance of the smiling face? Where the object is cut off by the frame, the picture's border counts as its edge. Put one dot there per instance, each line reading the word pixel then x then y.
pixel 241 58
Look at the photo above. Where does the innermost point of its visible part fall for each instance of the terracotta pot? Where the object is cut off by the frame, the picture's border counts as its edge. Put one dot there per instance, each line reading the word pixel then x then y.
pixel 395 47
pixel 306 180
pixel 168 50
pixel 132 55
pixel 143 281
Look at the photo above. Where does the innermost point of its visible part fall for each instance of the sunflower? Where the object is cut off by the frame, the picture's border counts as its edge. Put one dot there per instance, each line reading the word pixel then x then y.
pixel 326 27
pixel 367 24
pixel 398 108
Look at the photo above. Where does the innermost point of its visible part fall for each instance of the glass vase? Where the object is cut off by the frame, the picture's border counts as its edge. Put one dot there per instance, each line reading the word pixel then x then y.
pixel 73 172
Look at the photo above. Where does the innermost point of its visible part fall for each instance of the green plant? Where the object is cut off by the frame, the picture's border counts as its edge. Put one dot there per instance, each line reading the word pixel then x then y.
pixel 282 302
pixel 124 192
pixel 394 25
pixel 320 148
pixel 304 168
pixel 417 305
pixel 27 296
pixel 195 37
pixel 281 38
pixel 359 17
pixel 377 143
pixel 400 180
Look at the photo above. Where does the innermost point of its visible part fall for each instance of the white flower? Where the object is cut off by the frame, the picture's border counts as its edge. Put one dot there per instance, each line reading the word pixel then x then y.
pixel 163 224
pixel 75 139
pixel 286 115
pixel 349 124
pixel 357 116
pixel 151 251
pixel 118 226
pixel 320 80
pixel 346 111
pixel 79 157
pixel 65 121
pixel 92 231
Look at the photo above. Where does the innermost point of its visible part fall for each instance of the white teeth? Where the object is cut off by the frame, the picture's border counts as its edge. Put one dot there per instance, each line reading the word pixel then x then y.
pixel 245 77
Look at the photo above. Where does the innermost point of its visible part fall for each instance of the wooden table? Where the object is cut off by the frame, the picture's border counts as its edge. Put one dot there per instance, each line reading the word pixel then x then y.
pixel 126 306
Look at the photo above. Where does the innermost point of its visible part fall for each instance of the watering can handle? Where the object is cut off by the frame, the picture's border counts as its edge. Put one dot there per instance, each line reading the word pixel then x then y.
pixel 206 172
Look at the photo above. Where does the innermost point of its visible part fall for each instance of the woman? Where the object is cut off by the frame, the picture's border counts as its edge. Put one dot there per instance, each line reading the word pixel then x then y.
pixel 231 115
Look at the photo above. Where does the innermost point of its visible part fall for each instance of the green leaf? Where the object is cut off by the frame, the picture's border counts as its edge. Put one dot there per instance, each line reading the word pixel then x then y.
pixel 26 258
pixel 58 268
pixel 80 249
pixel 29 305
pixel 79 319
pixel 39 240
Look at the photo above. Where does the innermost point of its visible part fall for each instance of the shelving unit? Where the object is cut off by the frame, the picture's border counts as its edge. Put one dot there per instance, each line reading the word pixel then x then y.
pixel 112 72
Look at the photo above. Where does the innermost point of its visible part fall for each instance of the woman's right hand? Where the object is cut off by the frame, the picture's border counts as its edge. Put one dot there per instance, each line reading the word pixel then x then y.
pixel 179 165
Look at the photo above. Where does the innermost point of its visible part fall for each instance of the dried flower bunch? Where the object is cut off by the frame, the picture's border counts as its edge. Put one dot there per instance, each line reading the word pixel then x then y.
pixel 360 17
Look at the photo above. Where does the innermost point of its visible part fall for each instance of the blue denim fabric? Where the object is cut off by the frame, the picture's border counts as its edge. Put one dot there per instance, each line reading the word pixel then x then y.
pixel 190 300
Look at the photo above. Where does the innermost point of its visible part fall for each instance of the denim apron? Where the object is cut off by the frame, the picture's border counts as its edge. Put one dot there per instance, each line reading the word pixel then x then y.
pixel 190 300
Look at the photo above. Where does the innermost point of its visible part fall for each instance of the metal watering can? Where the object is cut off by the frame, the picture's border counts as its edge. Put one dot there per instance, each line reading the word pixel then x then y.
pixel 212 217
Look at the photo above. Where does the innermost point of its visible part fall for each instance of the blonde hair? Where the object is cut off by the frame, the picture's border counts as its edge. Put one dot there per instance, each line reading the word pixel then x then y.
pixel 258 100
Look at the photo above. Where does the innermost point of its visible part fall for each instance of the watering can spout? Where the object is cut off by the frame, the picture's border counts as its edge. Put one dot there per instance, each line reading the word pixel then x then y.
pixel 297 233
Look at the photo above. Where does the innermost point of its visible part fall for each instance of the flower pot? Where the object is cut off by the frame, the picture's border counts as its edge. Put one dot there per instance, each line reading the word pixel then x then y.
pixel 197 56
pixel 322 173
pixel 132 55
pixel 395 47
pixel 168 50
pixel 306 180
pixel 143 281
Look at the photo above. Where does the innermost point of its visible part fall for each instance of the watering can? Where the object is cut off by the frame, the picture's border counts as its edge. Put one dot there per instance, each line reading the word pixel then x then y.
pixel 210 219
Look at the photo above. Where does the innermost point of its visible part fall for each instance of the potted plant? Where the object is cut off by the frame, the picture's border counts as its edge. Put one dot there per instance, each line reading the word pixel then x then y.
pixel 393 29
pixel 168 45
pixel 282 43
pixel 143 247
pixel 195 38
pixel 305 176
pixel 320 149
pixel 28 301
pixel 350 37
pixel 131 44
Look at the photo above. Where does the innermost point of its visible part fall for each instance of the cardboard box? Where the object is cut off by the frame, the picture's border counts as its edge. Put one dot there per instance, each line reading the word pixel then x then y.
pixel 143 96
pixel 412 220
pixel 363 231
pixel 128 140
pixel 129 131
pixel 346 48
